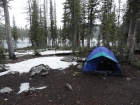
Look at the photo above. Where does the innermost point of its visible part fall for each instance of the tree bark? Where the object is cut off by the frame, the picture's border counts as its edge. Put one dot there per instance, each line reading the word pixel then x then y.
pixel 90 28
pixel 45 21
pixel 131 41
pixel 8 31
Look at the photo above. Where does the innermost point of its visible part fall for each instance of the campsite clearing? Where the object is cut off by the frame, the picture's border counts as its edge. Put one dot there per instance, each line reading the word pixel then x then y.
pixel 86 89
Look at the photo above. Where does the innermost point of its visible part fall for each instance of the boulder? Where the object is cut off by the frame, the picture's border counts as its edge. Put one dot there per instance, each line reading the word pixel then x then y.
pixel 40 70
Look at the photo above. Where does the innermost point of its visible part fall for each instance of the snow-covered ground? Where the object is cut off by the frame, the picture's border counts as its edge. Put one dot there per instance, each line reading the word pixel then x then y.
pixel 53 62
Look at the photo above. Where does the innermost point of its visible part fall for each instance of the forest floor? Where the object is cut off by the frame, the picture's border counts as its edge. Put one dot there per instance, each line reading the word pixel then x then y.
pixel 87 89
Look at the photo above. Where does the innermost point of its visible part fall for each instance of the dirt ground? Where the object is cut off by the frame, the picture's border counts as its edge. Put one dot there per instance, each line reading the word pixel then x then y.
pixel 87 89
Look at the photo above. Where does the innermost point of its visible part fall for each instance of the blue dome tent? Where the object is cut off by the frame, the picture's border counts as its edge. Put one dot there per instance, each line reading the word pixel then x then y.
pixel 102 61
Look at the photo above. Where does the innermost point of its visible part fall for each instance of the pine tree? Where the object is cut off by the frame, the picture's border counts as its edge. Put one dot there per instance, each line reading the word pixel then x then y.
pixel 41 32
pixel 45 20
pixel 92 11
pixel 72 22
pixel 108 24
pixel 52 23
pixel 15 32
pixel 34 25
pixel 84 27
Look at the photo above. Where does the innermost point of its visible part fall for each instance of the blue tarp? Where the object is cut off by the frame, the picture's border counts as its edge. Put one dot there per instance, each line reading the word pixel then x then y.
pixel 102 60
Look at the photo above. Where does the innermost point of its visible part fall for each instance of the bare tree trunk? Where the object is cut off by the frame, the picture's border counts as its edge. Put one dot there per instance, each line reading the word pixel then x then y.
pixel 90 29
pixel 45 20
pixel 8 31
pixel 30 33
pixel 131 41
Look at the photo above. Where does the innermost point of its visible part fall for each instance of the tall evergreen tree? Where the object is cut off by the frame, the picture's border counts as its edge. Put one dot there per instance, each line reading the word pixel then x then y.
pixel 84 27
pixel 108 23
pixel 45 19
pixel 92 12
pixel 29 19
pixel 52 23
pixel 41 32
pixel 34 24
pixel 15 32
pixel 55 25
pixel 72 22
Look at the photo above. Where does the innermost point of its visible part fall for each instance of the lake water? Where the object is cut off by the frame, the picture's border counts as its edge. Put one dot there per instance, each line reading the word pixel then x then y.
pixel 20 44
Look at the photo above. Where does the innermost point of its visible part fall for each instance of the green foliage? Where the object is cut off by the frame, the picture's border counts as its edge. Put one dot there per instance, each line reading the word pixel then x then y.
pixel 76 73
pixel 36 52
pixel 14 30
pixel 2 56
pixel 83 52
pixel 135 63
pixel 23 33
pixel 108 25
pixel 72 22
pixel 34 24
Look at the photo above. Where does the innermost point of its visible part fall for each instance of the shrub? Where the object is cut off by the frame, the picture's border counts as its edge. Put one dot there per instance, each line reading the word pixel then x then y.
pixel 36 52
pixel 2 56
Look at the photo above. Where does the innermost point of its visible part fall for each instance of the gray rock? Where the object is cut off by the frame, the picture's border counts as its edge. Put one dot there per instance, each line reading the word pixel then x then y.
pixel 68 59
pixel 12 72
pixel 128 79
pixel 3 67
pixel 40 70
pixel 79 66
pixel 68 86
pixel 6 90
pixel 32 89
pixel 44 73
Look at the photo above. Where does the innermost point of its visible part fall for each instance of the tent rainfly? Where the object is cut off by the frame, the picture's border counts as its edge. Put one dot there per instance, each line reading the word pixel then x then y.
pixel 102 61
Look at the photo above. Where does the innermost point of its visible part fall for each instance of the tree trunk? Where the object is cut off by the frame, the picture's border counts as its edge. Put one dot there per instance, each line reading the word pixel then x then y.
pixel 8 31
pixel 131 41
pixel 45 21
pixel 90 30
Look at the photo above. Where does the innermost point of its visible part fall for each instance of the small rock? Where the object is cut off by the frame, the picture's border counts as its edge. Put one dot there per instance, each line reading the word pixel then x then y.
pixel 128 79
pixel 79 66
pixel 78 102
pixel 5 99
pixel 32 89
pixel 68 86
pixel 43 73
pixel 104 78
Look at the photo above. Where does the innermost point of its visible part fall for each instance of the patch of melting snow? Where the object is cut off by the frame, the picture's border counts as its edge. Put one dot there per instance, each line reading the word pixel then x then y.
pixel 3 73
pixel 41 87
pixel 24 87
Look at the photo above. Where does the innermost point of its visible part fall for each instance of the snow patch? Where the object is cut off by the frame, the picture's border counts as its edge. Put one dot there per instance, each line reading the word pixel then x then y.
pixel 24 87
